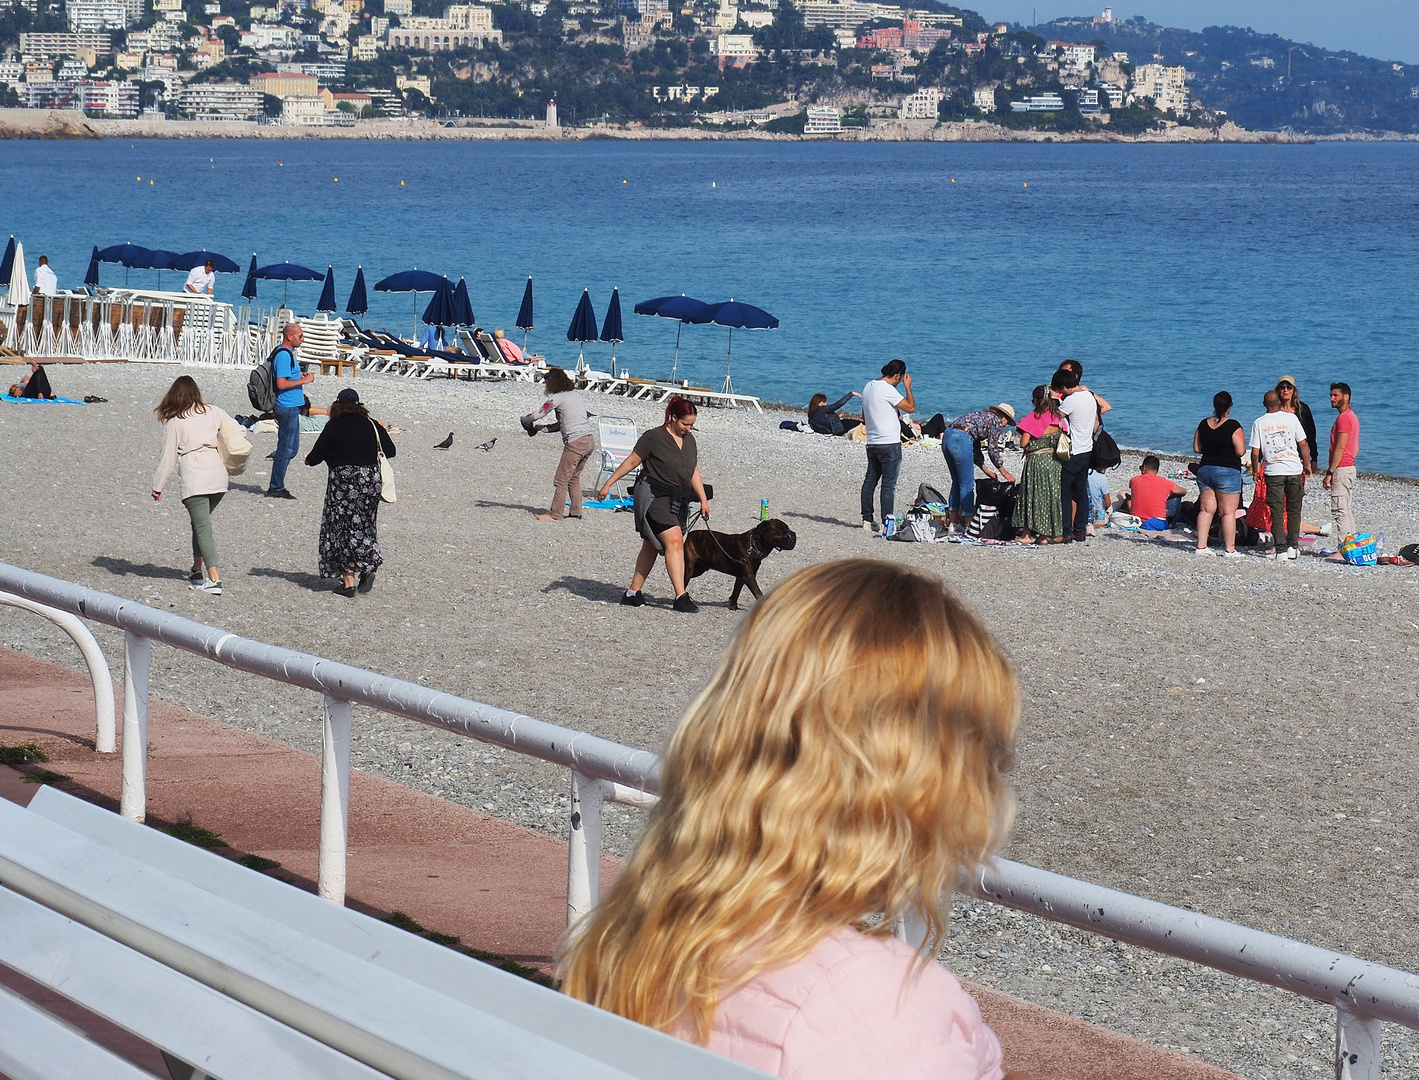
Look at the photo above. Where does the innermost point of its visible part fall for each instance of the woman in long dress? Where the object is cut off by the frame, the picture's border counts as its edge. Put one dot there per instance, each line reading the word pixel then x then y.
pixel 349 539
pixel 1038 514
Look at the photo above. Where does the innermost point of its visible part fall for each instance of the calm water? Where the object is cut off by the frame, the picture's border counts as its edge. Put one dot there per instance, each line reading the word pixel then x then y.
pixel 1170 272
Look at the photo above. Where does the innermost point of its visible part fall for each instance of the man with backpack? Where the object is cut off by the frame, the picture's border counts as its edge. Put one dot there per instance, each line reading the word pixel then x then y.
pixel 290 396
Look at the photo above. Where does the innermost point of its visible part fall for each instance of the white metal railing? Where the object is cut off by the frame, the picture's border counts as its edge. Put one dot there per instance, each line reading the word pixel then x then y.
pixel 1363 994
pixel 76 324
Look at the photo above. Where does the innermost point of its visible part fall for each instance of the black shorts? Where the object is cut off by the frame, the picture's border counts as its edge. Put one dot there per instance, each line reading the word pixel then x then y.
pixel 666 513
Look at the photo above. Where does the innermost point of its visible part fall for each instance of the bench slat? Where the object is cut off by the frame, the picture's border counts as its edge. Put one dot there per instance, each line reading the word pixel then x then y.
pixel 36 1046
pixel 636 1050
pixel 159 1005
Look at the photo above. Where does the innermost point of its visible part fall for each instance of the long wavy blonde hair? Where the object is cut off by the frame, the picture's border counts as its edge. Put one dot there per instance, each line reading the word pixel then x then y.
pixel 845 760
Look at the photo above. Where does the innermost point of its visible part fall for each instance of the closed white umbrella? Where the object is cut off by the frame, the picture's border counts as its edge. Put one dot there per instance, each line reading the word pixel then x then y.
pixel 19 280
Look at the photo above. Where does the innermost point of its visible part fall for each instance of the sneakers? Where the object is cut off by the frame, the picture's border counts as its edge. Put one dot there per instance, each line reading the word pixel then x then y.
pixel 211 588
pixel 869 528
pixel 367 581
pixel 196 578
pixel 278 493
pixel 633 599
pixel 1231 555
pixel 1201 551
pixel 1292 553
pixel 685 604
pixel 1327 528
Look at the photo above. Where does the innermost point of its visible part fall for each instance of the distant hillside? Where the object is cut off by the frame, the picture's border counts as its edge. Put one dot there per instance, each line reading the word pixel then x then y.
pixel 1264 80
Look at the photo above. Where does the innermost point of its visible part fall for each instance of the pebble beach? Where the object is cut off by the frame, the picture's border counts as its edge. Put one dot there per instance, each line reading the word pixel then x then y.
pixel 1230 736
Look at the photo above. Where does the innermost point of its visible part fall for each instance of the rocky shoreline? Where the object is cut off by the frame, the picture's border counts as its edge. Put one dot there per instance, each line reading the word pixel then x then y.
pixel 67 124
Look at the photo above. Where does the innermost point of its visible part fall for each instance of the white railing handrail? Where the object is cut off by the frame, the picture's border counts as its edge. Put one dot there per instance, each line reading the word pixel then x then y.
pixel 1363 993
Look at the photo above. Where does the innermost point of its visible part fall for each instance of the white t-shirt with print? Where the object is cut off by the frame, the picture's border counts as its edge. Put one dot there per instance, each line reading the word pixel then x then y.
pixel 1276 435
pixel 879 413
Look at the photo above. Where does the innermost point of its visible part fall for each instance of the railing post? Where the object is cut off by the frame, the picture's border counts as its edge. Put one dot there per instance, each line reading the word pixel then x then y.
pixel 133 801
pixel 911 929
pixel 584 847
pixel 1357 1045
pixel 334 798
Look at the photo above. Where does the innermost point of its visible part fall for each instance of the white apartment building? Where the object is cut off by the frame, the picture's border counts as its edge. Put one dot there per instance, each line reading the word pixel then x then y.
pixel 726 17
pixel 441 35
pixel 402 8
pixel 847 14
pixel 52 46
pixel 734 45
pixel 756 20
pixel 219 101
pixel 1078 56
pixel 114 99
pixel 264 36
pixel 983 98
pixel 304 111
pixel 12 72
pixel 94 16
pixel 469 17
pixel 1039 103
pixel 1167 86
pixel 925 104
pixel 1114 94
pixel 823 120
pixel 366 48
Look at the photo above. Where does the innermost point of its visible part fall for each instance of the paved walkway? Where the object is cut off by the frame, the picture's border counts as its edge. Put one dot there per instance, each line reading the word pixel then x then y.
pixel 497 886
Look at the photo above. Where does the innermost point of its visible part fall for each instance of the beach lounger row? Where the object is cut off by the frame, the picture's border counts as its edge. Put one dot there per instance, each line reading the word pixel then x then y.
pixel 659 392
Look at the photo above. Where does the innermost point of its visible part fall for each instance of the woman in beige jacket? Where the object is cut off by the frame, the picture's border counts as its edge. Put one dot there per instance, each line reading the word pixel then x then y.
pixel 190 428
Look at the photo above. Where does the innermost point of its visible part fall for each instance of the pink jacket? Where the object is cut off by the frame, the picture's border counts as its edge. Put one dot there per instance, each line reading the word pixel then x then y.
pixel 844 1013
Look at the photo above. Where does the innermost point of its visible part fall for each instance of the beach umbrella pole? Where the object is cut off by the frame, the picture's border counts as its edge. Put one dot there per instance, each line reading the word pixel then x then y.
pixel 676 366
pixel 728 363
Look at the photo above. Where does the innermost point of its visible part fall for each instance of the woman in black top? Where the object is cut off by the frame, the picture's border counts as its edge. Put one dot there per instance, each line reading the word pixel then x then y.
pixel 825 419
pixel 670 465
pixel 1220 441
pixel 350 446
pixel 1291 402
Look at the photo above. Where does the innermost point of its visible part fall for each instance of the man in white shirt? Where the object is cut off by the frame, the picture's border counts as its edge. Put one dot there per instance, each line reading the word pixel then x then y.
pixel 201 279
pixel 1081 411
pixel 1279 440
pixel 882 402
pixel 45 283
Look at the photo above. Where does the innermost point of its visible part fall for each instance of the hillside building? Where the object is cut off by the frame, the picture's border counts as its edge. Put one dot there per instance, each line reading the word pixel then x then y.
pixel 219 101
pixel 823 120
pixel 925 104
pixel 53 46
pixel 1166 86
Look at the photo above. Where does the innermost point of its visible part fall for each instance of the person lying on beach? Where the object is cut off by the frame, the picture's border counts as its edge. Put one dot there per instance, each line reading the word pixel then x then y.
pixel 33 385
pixel 844 769
pixel 512 353
pixel 826 420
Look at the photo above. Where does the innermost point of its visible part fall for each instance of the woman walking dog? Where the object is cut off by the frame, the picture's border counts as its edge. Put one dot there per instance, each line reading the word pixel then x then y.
pixel 191 434
pixel 670 469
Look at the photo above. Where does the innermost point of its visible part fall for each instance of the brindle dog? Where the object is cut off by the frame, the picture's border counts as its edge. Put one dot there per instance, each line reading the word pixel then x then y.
pixel 738 556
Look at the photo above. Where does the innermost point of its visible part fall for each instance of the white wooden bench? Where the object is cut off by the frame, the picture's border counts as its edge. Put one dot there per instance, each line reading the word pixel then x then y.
pixel 234 974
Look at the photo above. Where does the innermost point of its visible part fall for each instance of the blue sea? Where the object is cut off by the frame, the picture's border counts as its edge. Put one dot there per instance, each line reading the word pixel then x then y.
pixel 1171 272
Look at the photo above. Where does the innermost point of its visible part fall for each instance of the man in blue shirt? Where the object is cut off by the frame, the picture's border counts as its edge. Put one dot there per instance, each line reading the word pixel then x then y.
pixel 290 396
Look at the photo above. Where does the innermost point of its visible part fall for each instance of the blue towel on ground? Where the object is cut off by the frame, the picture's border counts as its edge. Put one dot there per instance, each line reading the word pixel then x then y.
pixel 608 504
pixel 39 401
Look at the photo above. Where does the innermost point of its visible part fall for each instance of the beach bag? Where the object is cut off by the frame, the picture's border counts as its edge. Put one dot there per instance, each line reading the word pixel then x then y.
pixel 1360 550
pixel 261 383
pixel 233 446
pixel 1105 455
pixel 926 495
pixel 1064 448
pixel 386 470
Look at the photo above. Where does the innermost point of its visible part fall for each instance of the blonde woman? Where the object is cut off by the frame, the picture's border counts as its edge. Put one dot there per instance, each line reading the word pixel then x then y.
pixel 190 428
pixel 846 761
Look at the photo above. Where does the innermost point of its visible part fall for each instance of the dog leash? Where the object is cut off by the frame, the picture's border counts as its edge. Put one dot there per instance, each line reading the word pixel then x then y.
pixel 717 544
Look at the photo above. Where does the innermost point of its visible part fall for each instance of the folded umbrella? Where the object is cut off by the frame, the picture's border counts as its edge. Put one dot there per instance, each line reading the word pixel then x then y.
pixel 524 313
pixel 327 294
pixel 19 280
pixel 611 325
pixel 7 261
pixel 462 305
pixel 248 288
pixel 92 276
pixel 441 312
pixel 583 327
pixel 359 302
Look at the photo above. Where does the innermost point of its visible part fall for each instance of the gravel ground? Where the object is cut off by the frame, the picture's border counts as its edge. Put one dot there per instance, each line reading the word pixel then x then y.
pixel 1230 736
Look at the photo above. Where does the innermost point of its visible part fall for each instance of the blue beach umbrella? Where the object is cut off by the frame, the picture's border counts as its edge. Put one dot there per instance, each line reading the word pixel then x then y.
pixel 327 294
pixel 611 325
pixel 411 281
pixel 524 313
pixel 678 308
pixel 734 315
pixel 441 311
pixel 7 262
pixel 92 276
pixel 287 272
pixel 359 302
pixel 158 259
pixel 462 305
pixel 220 263
pixel 248 288
pixel 126 255
pixel 583 327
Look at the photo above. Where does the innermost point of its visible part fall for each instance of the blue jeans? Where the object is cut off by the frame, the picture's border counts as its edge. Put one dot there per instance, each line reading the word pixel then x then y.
pixel 883 463
pixel 288 441
pixel 958 448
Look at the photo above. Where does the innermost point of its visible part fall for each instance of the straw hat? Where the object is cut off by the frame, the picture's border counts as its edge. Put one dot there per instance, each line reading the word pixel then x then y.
pixel 1006 410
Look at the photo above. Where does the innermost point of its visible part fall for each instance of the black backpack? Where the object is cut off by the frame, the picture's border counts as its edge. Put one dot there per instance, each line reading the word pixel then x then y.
pixel 261 383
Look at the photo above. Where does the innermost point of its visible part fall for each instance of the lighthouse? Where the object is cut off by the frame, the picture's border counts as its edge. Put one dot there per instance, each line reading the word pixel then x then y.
pixel 552 114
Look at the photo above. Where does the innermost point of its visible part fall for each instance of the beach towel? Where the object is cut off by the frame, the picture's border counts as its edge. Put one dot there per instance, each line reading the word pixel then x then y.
pixel 40 401
pixel 608 504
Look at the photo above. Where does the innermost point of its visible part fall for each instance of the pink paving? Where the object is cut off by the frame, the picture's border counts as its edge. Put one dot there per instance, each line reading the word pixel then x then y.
pixel 497 886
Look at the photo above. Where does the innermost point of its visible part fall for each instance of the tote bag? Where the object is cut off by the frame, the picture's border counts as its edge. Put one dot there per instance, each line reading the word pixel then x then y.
pixel 233 446
pixel 386 470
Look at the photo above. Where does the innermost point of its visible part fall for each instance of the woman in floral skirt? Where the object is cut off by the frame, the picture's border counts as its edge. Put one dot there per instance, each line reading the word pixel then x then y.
pixel 1038 515
pixel 350 444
